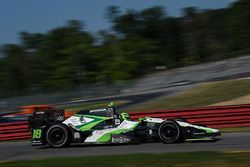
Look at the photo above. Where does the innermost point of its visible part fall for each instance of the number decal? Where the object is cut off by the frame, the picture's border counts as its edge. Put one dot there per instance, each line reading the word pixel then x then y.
pixel 37 133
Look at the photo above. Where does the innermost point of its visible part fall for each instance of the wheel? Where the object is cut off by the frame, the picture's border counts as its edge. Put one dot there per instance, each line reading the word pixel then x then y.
pixel 57 135
pixel 170 132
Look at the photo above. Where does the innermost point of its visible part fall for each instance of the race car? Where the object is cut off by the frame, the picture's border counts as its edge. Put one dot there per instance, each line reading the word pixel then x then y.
pixel 106 126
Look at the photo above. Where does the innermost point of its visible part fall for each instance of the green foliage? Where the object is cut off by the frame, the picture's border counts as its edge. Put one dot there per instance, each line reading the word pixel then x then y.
pixel 68 56
pixel 239 27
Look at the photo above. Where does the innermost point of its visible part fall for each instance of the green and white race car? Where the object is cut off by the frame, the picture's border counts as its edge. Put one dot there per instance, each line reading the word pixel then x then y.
pixel 106 126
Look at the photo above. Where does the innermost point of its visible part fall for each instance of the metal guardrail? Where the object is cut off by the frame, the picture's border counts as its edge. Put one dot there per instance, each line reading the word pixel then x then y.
pixel 216 117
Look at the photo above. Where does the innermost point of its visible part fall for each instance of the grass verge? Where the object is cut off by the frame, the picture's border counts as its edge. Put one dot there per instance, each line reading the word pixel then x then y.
pixel 237 129
pixel 202 95
pixel 146 160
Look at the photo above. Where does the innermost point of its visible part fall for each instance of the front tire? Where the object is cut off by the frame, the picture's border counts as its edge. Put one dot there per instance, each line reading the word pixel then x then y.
pixel 170 132
pixel 57 135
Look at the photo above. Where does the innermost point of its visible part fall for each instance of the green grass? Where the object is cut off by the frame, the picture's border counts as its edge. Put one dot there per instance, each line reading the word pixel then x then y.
pixel 194 159
pixel 237 129
pixel 202 95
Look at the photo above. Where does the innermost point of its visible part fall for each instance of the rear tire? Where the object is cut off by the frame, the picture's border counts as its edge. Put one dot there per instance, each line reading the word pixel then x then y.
pixel 57 135
pixel 170 132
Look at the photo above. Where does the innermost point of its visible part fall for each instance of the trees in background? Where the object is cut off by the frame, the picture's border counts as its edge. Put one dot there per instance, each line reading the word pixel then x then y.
pixel 69 56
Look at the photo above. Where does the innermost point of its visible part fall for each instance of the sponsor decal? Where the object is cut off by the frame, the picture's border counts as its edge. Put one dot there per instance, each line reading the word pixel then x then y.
pixel 117 121
pixel 77 135
pixel 127 124
pixel 37 142
pixel 98 110
pixel 154 120
pixel 199 133
pixel 60 118
pixel 120 139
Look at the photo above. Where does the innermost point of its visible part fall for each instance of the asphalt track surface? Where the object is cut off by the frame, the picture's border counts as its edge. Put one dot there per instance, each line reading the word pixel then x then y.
pixel 23 151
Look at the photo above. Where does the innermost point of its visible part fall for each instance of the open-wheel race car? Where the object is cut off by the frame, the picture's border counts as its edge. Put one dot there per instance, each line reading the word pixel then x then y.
pixel 106 126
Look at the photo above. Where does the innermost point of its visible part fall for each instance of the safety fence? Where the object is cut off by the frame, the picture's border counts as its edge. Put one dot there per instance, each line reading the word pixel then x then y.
pixel 216 117
pixel 14 131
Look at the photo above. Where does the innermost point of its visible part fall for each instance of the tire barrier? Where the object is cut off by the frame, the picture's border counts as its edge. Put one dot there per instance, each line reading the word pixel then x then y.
pixel 215 117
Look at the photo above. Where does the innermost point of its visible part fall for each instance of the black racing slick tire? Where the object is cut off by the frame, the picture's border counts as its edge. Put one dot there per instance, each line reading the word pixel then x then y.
pixel 170 132
pixel 58 135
